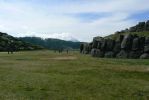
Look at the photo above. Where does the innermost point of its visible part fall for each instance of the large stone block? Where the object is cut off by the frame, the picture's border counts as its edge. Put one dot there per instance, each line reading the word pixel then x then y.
pixel 96 41
pixel 110 44
pixel 146 47
pixel 134 54
pixel 109 54
pixel 117 47
pixel 127 42
pixel 97 53
pixel 135 44
pixel 122 54
pixel 144 56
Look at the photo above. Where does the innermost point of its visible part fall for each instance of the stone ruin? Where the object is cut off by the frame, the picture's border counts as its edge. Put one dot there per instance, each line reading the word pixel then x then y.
pixel 126 46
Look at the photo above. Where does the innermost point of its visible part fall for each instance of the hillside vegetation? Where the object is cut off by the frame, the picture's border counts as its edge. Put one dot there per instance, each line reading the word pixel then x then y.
pixel 50 43
pixel 141 29
pixel 45 75
pixel 17 43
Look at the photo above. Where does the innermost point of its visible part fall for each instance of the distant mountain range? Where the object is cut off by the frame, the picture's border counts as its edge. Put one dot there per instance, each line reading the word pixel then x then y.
pixel 51 43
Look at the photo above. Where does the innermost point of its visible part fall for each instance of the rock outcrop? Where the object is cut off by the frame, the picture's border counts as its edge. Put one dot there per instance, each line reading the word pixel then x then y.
pixel 126 46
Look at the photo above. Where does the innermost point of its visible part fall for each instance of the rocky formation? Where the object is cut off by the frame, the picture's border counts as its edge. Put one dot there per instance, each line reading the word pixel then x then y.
pixel 140 27
pixel 126 46
pixel 130 43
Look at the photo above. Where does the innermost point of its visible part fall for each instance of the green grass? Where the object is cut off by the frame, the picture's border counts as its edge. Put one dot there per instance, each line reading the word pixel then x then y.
pixel 45 75
pixel 115 36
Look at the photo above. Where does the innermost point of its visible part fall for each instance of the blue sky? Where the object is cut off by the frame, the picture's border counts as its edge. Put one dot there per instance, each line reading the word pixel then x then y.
pixel 69 19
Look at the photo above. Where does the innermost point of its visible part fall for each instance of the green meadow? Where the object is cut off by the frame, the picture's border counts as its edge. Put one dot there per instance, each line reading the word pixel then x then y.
pixel 45 75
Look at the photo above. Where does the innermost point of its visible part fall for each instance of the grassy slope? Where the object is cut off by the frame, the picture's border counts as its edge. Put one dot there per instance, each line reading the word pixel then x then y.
pixel 114 36
pixel 34 75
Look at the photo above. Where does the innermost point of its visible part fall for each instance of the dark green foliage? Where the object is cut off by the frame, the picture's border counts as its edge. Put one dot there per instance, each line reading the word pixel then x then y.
pixel 52 43
pixel 140 27
pixel 16 45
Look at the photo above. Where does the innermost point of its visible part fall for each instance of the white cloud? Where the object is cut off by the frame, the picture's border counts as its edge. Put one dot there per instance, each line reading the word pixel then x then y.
pixel 24 18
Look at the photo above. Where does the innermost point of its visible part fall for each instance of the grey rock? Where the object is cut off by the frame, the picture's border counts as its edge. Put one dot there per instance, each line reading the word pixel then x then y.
pixel 122 54
pixel 144 56
pixel 135 44
pixel 127 42
pixel 109 54
pixel 134 54
pixel 110 44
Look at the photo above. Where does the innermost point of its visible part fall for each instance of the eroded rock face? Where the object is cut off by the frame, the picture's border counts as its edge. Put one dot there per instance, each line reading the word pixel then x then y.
pixel 128 46
pixel 127 42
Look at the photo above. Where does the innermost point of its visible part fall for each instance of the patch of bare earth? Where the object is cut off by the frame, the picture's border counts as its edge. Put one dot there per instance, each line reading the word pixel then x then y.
pixel 62 58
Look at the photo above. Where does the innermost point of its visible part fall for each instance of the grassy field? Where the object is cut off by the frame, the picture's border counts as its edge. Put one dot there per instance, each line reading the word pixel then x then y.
pixel 45 75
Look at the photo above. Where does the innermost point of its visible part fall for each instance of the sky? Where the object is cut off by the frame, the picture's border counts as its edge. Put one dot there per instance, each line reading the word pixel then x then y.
pixel 70 19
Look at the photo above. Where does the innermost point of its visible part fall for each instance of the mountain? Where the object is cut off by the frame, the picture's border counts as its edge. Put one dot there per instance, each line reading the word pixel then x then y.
pixel 73 40
pixel 141 29
pixel 51 43
pixel 18 44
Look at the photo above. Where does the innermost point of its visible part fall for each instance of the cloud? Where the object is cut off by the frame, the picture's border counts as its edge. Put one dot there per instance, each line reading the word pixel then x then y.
pixel 81 19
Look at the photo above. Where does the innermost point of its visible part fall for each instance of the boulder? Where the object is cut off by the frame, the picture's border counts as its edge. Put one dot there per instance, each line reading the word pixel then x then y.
pixel 86 48
pixel 96 41
pixel 117 47
pixel 147 26
pixel 127 42
pixel 110 44
pixel 141 26
pixel 134 54
pixel 81 47
pixel 135 44
pixel 121 38
pixel 146 47
pixel 122 54
pixel 144 56
pixel 99 45
pixel 141 43
pixel 103 45
pixel 97 53
pixel 133 29
pixel 109 54
pixel 93 52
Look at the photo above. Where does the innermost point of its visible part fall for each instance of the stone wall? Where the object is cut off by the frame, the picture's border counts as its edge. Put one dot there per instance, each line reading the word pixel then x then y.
pixel 126 46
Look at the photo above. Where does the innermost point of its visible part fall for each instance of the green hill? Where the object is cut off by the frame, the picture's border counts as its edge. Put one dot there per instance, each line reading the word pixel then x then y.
pixel 141 29
pixel 18 44
pixel 50 43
